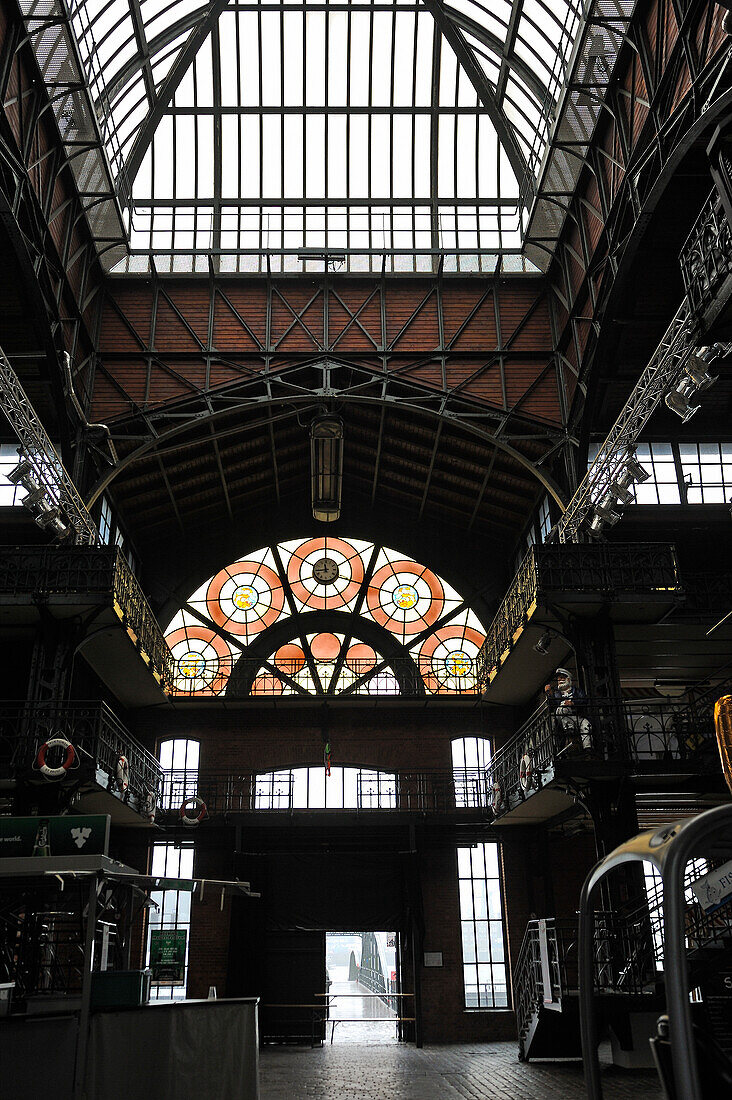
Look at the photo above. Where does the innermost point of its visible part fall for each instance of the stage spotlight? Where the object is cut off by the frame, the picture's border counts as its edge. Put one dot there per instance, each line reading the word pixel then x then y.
pixel 54 522
pixel 694 379
pixel 24 475
pixel 606 514
pixel 326 466
pixel 696 368
pixel 543 644
pixel 679 399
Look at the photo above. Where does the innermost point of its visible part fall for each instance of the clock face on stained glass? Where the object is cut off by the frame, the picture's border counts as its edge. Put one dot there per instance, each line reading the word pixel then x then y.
pixel 326 570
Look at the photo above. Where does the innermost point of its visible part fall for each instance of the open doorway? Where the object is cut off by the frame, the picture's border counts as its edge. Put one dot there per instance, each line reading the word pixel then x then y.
pixel 362 981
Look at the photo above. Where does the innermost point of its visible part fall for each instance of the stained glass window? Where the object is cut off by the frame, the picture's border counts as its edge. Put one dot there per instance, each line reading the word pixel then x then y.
pixel 417 633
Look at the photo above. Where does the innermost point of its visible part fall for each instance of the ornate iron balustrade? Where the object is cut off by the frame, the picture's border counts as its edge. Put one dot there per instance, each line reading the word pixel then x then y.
pixel 246 677
pixel 705 592
pixel 424 791
pixel 706 257
pixel 639 733
pixel 98 737
pixel 96 572
pixel 609 569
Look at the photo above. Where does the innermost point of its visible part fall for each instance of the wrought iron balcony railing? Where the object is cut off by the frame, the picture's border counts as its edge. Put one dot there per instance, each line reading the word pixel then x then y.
pixel 608 569
pixel 355 789
pixel 245 677
pixel 99 740
pixel 706 257
pixel 90 572
pixel 637 733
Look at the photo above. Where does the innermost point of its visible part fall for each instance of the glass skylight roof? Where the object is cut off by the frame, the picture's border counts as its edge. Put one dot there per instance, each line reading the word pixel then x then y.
pixel 299 128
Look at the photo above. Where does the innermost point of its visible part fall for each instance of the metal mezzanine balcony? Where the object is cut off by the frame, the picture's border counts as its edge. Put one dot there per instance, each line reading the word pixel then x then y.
pixel 99 741
pixel 535 775
pixel 635 582
pixel 461 791
pixel 122 640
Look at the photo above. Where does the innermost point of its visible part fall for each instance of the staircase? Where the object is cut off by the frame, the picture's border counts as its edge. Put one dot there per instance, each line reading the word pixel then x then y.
pixel 546 983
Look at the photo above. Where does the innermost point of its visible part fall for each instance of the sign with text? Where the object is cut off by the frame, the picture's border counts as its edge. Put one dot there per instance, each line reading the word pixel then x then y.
pixel 64 835
pixel 168 955
pixel 714 890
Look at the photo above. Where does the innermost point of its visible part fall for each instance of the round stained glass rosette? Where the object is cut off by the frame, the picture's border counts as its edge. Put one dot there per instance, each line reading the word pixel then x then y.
pixel 447 659
pixel 405 598
pixel 202 661
pixel 338 593
pixel 245 598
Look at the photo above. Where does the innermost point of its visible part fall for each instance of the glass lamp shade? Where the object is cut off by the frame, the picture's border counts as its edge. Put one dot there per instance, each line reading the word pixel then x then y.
pixel 723 727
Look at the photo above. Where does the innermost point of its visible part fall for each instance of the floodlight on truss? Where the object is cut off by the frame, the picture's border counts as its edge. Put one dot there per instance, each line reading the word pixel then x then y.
pixel 53 499
pixel 665 373
pixel 694 379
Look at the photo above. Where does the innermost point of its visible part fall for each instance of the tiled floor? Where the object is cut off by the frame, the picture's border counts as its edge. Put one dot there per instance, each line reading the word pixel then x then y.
pixel 475 1071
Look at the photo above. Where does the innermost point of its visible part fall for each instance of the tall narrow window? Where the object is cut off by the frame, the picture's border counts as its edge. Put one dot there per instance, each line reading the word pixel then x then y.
pixel 173 914
pixel 470 758
pixel 179 760
pixel 481 918
pixel 545 519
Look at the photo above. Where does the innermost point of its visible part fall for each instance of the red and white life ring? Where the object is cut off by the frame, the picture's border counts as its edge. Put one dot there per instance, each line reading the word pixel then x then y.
pixel 497 800
pixel 122 773
pixel 526 772
pixel 61 770
pixel 197 804
pixel 149 805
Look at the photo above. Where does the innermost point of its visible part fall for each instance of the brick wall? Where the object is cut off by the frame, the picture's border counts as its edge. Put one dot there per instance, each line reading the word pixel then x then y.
pixel 542 873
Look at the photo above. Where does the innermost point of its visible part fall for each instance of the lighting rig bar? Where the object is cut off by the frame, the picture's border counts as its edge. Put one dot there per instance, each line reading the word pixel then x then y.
pixel 666 371
pixel 40 468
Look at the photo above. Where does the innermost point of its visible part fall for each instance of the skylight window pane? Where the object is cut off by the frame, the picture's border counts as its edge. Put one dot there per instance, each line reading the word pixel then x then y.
pixel 205 185
pixel 315 156
pixel 315 59
pixel 423 81
pixel 163 159
pixel 360 62
pixel 380 156
pixel 445 162
pixel 447 77
pixel 271 60
pixel 271 155
pixel 337 58
pixel 404 58
pixel 381 59
pixel 249 72
pixel 293 163
pixel 185 166
pixel 204 76
pixel 229 53
pixel 466 130
pixel 402 156
pixel 422 127
pixel 250 157
pixel 337 185
pixel 293 54
pixel 358 157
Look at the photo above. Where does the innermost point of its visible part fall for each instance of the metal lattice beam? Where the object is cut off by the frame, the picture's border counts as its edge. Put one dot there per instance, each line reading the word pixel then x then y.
pixel 661 374
pixel 41 454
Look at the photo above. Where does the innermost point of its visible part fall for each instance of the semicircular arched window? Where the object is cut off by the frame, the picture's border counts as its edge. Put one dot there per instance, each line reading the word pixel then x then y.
pixel 325 616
